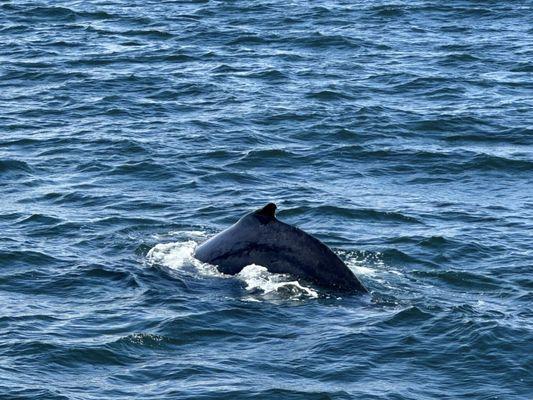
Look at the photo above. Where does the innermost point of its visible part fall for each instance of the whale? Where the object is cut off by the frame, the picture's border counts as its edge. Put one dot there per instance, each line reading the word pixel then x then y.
pixel 260 238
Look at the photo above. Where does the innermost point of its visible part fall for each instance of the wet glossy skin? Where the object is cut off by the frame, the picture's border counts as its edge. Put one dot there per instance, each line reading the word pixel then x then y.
pixel 260 238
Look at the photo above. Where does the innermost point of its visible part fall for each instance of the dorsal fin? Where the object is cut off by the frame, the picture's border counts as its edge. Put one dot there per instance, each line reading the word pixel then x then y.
pixel 268 211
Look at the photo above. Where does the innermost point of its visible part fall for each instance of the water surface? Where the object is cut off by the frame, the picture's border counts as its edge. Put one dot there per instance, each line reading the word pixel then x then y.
pixel 399 133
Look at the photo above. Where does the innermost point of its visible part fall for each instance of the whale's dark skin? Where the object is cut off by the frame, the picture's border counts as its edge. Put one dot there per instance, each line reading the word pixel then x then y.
pixel 260 238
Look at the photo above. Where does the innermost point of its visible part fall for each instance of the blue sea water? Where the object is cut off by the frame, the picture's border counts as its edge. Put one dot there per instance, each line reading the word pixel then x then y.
pixel 398 132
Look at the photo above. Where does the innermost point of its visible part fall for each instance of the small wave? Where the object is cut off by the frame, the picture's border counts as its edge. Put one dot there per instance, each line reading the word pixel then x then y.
pixel 225 68
pixel 40 219
pixel 35 393
pixel 135 33
pixel 492 162
pixel 459 247
pixel 319 40
pixel 269 154
pixel 507 136
pixel 408 317
pixel 248 40
pixel 225 178
pixel 120 221
pixel 140 340
pixel 97 15
pixel 177 57
pixel 100 272
pixel 329 95
pixel 462 279
pixel 388 10
pixel 460 58
pixel 522 67
pixel 267 158
pixel 51 13
pixel 114 146
pixel 10 165
pixel 26 257
pixel 430 179
pixel 149 169
pixel 150 33
pixel 362 213
pixel 269 74
pixel 397 257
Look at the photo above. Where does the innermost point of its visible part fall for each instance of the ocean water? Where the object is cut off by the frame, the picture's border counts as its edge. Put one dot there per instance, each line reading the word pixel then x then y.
pixel 399 133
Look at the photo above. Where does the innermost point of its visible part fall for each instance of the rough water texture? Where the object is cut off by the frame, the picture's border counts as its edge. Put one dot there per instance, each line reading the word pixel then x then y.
pixel 400 133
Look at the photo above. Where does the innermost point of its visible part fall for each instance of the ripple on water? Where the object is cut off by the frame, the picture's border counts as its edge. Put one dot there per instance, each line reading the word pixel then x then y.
pixel 397 132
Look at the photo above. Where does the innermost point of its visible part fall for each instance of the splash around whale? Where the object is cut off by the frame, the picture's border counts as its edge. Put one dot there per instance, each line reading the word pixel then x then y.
pixel 260 238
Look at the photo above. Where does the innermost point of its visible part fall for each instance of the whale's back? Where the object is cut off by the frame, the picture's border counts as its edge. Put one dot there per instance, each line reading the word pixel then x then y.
pixel 281 248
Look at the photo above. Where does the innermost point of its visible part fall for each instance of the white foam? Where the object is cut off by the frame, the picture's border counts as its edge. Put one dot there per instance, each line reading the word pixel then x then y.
pixel 257 277
pixel 360 267
pixel 177 255
pixel 371 266
pixel 172 255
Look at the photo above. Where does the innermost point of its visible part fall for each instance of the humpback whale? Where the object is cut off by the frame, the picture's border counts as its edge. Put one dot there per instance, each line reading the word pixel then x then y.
pixel 260 238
